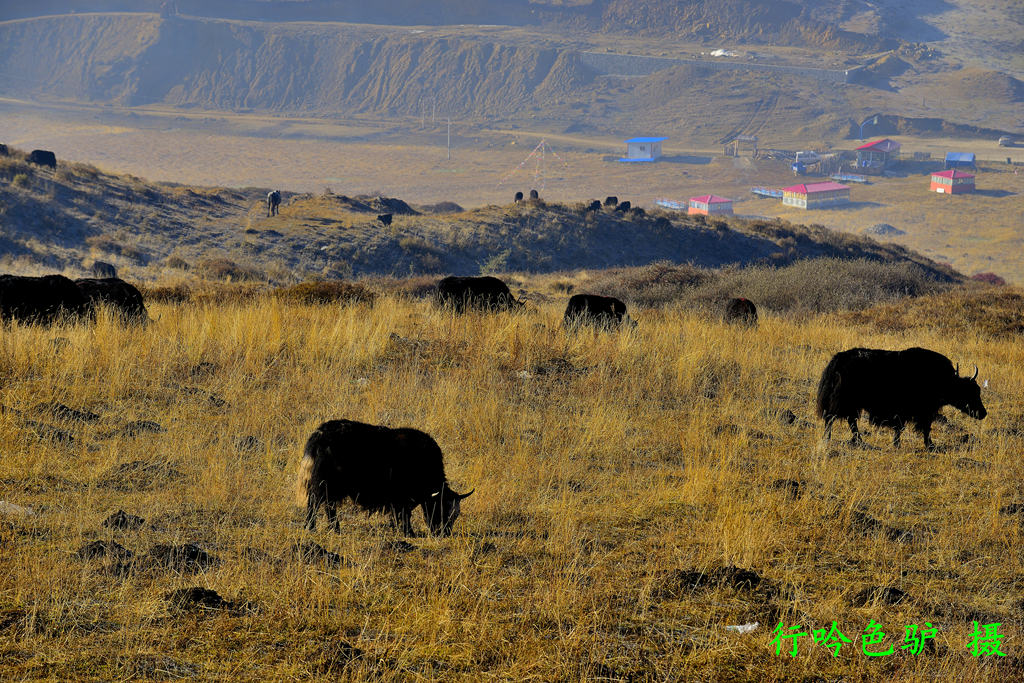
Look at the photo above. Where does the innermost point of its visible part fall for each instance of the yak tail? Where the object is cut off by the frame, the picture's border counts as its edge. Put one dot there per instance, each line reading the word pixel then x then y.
pixel 828 387
pixel 304 483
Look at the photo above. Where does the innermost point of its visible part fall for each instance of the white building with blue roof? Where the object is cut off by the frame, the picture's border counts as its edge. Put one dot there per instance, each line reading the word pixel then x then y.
pixel 643 149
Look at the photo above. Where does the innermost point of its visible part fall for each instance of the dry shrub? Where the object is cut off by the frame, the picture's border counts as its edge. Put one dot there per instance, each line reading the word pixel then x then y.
pixel 170 294
pixel 989 278
pixel 226 269
pixel 978 309
pixel 176 262
pixel 326 292
pixel 652 285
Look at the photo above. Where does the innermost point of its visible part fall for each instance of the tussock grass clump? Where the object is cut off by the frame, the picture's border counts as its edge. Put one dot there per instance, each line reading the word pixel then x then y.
pixel 994 311
pixel 225 269
pixel 326 292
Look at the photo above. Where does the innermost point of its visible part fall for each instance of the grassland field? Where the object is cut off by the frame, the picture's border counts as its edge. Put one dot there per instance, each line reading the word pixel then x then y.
pixel 620 477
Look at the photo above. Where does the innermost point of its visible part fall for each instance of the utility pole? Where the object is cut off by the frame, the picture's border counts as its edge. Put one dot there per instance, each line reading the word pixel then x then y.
pixel 449 138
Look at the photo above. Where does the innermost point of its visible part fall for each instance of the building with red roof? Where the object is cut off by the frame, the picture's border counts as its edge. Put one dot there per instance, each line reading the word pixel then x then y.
pixel 710 205
pixel 877 155
pixel 816 195
pixel 953 181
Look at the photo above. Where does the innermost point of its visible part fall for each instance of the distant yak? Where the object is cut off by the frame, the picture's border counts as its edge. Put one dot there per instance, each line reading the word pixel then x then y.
pixel 273 201
pixel 534 194
pixel 103 269
pixel 592 309
pixel 124 300
pixel 43 157
pixel 42 300
pixel 594 206
pixel 741 311
pixel 385 219
pixel 483 292
pixel 382 470
pixel 623 207
pixel 518 198
pixel 894 388
pixel 611 201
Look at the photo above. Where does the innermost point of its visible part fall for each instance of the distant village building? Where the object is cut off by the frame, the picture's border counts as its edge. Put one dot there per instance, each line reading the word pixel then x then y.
pixel 960 160
pixel 643 149
pixel 953 181
pixel 734 147
pixel 710 205
pixel 816 195
pixel 878 155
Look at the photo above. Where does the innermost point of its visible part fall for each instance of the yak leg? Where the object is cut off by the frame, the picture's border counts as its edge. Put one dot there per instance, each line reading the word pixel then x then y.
pixel 333 521
pixel 401 518
pixel 855 438
pixel 311 517
pixel 926 433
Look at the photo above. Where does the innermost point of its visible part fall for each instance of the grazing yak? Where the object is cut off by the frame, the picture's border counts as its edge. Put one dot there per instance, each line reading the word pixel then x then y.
pixel 518 198
pixel 741 312
pixel 611 201
pixel 894 388
pixel 273 201
pixel 381 470
pixel 103 269
pixel 124 300
pixel 623 207
pixel 385 219
pixel 592 309
pixel 43 157
pixel 41 300
pixel 594 206
pixel 484 292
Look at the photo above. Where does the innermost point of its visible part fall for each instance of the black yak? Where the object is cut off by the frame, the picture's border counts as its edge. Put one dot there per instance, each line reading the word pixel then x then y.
pixel 484 292
pixel 741 311
pixel 894 388
pixel 273 201
pixel 594 206
pixel 385 219
pixel 623 207
pixel 41 300
pixel 518 198
pixel 103 269
pixel 124 300
pixel 381 470
pixel 592 309
pixel 534 194
pixel 43 157
pixel 611 201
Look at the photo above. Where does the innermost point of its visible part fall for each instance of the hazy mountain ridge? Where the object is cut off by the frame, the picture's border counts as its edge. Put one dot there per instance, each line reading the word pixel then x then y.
pixel 140 59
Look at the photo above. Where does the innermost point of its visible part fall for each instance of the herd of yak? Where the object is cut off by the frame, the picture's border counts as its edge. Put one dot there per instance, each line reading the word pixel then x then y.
pixel 396 470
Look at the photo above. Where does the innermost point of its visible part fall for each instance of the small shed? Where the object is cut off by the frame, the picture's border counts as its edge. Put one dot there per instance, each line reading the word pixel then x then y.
pixel 877 155
pixel 953 181
pixel 816 195
pixel 960 160
pixel 643 149
pixel 709 205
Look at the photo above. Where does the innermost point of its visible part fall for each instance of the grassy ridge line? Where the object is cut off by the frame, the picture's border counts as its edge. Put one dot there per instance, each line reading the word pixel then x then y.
pixel 618 461
pixel 65 218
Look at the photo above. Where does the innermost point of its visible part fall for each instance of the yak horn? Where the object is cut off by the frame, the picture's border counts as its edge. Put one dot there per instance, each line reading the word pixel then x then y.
pixel 975 373
pixel 465 495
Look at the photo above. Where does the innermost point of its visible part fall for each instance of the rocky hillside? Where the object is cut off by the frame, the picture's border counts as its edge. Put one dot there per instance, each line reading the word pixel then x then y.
pixel 66 218
pixel 778 22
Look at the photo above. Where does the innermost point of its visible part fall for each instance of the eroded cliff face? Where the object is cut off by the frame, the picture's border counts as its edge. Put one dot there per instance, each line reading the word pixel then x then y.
pixel 141 59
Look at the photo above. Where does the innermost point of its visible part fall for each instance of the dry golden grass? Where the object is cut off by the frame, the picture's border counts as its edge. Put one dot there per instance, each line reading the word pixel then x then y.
pixel 606 466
